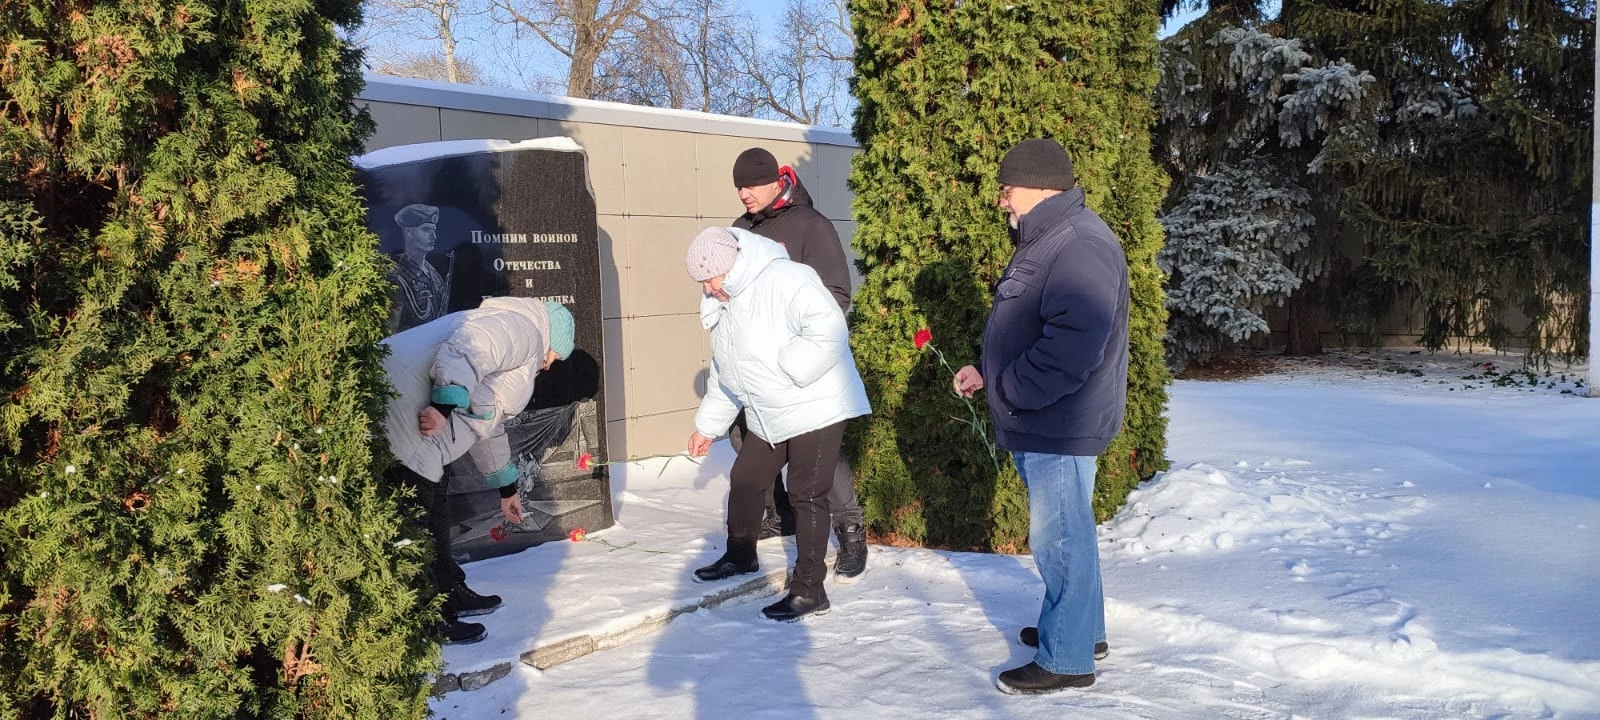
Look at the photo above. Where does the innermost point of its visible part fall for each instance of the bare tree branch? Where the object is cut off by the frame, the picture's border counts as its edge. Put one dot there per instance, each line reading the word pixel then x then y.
pixel 423 66
pixel 433 20
pixel 804 77
pixel 581 30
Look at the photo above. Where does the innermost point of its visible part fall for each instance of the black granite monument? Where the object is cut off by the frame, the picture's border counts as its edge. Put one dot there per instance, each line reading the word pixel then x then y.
pixel 471 219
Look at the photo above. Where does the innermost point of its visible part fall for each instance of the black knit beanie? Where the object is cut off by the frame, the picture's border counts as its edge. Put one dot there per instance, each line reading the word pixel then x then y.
pixel 755 167
pixel 1037 163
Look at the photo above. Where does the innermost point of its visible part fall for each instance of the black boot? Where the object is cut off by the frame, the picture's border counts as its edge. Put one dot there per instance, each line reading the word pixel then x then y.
pixel 463 602
pixel 726 567
pixel 1030 637
pixel 1031 679
pixel 455 632
pixel 794 607
pixel 852 558
pixel 771 525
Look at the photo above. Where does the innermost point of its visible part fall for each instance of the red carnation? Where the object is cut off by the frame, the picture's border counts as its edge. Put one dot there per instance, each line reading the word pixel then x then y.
pixel 583 461
pixel 577 535
pixel 922 337
pixel 497 532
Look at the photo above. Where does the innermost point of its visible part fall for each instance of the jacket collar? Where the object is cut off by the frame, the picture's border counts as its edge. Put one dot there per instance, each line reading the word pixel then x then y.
pixel 1044 217
pixel 756 253
pixel 795 196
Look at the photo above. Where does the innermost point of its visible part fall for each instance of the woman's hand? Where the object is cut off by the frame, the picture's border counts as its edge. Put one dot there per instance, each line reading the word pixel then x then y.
pixel 511 508
pixel 430 421
pixel 699 444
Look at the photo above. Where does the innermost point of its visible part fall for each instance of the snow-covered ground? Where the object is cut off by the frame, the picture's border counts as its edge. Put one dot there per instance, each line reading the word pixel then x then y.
pixel 1381 536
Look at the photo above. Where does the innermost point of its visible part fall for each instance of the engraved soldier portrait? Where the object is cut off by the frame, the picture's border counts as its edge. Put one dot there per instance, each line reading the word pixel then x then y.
pixel 422 292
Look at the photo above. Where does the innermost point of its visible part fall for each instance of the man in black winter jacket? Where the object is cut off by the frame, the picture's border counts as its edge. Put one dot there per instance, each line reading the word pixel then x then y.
pixel 1055 370
pixel 778 207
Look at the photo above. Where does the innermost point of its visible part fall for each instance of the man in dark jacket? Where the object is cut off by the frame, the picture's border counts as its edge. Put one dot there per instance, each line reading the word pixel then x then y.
pixel 1055 365
pixel 778 207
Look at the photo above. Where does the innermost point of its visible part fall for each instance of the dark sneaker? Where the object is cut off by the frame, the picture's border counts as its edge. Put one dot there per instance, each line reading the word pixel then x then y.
pixel 852 558
pixel 1030 637
pixel 463 602
pixel 1031 679
pixel 794 607
pixel 456 632
pixel 726 567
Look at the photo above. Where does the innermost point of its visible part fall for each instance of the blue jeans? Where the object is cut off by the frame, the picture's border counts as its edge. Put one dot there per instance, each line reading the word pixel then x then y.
pixel 1067 554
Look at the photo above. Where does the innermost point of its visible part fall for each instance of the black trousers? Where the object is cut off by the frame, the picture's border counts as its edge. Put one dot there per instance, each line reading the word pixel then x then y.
pixel 842 502
pixel 433 497
pixel 811 459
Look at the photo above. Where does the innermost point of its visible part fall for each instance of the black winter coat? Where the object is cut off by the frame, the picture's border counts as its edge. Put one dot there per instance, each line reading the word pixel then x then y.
pixel 809 237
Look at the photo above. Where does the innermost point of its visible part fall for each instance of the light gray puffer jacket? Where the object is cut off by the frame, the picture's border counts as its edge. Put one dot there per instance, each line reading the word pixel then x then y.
pixel 493 352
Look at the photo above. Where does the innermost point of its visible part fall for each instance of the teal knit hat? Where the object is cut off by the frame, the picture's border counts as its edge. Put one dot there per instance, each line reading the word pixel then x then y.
pixel 560 328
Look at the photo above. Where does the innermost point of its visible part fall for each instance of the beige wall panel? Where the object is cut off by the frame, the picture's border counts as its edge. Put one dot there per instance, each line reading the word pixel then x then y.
pixel 655 281
pixel 669 356
pixel 401 124
pixel 831 191
pixel 467 125
pixel 714 156
pixel 616 369
pixel 656 170
pixel 659 434
pixel 613 264
pixel 796 154
pixel 603 145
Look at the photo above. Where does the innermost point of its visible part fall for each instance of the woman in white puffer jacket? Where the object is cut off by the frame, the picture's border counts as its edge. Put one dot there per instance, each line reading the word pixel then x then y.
pixel 780 351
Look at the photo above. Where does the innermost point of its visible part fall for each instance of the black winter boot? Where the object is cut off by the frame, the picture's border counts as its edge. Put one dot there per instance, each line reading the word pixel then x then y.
pixel 1031 679
pixel 852 558
pixel 463 602
pixel 455 632
pixel 794 607
pixel 771 525
pixel 726 567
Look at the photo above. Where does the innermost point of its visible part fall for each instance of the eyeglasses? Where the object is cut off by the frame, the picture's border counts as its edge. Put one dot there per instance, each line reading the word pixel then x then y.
pixel 1005 192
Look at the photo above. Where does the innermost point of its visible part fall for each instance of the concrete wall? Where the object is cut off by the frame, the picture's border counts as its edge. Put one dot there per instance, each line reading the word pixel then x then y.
pixel 659 176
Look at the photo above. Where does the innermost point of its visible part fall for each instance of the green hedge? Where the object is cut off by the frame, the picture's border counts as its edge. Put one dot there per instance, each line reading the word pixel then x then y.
pixel 191 524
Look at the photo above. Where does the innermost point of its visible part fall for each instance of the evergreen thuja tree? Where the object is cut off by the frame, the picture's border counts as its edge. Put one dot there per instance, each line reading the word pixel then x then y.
pixel 191 524
pixel 944 90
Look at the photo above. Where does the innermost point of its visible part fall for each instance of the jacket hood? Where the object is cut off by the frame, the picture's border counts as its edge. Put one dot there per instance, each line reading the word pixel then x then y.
pixel 756 253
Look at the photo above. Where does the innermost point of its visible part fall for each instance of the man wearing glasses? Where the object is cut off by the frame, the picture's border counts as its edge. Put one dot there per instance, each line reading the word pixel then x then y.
pixel 1055 371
